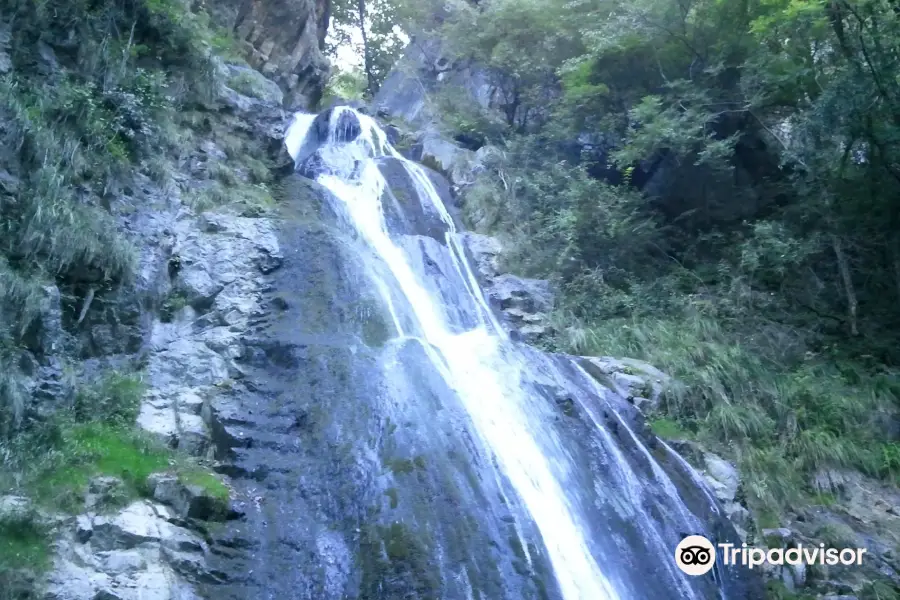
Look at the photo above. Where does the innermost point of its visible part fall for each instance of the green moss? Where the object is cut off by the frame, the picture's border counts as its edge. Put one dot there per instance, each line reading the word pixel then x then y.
pixel 251 83
pixel 173 303
pixel 254 199
pixel 395 563
pixel 25 553
pixel 58 479
pixel 405 466
pixel 668 429
pixel 211 484
pixel 520 564
pixel 391 493
pixel 776 590
pixel 823 499
pixel 401 466
pixel 836 535
pixel 24 543
pixel 375 328
pixel 880 590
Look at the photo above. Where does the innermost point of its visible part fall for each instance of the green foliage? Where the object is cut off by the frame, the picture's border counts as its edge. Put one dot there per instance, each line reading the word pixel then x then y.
pixel 776 590
pixel 211 484
pixel 346 85
pixel 24 546
pixel 371 30
pixel 86 450
pixel 880 590
pixel 668 429
pixel 462 116
pixel 53 463
pixel 115 400
pixel 775 307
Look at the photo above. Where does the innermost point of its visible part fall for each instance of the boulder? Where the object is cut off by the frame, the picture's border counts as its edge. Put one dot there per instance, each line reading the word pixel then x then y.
pixel 188 501
pixel 639 382
pixel 252 83
pixel 135 554
pixel 445 157
pixel 484 254
pixel 523 304
pixel 15 508
pixel 346 128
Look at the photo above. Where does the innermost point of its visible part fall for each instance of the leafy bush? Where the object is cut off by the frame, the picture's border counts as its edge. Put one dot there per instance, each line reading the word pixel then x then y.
pixel 759 379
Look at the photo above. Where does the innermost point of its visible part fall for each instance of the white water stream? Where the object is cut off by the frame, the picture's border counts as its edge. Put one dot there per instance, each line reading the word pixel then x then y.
pixel 485 380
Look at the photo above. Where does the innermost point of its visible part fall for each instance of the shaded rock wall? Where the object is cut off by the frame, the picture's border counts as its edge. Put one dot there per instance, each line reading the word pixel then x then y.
pixel 285 40
pixel 196 292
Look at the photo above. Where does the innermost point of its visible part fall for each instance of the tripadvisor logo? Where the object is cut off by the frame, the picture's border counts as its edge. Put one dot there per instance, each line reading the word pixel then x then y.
pixel 696 555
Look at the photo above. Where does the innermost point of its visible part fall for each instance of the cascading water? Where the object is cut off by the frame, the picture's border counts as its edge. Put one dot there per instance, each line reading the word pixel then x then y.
pixel 607 517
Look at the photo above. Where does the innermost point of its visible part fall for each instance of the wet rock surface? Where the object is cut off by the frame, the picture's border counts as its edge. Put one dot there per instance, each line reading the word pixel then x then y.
pixel 355 464
pixel 523 304
pixel 222 259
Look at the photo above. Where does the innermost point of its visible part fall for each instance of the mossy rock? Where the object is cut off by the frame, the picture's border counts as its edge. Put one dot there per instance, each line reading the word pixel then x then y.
pixel 249 82
pixel 396 563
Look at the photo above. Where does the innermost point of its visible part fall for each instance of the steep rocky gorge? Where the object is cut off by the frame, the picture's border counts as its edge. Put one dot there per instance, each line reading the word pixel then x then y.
pixel 352 467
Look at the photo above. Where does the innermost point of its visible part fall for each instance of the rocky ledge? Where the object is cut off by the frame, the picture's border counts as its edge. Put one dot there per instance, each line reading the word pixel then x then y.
pixel 523 304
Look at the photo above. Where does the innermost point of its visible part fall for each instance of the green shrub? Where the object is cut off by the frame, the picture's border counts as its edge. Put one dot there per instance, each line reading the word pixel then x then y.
pixel 757 378
pixel 782 421
pixel 114 400
pixel 24 546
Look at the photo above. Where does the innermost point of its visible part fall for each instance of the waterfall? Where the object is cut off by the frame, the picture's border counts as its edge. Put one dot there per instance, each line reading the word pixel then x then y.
pixel 580 524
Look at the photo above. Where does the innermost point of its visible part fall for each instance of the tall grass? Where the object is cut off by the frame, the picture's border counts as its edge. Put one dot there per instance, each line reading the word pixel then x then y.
pixel 760 375
pixel 73 135
pixel 783 421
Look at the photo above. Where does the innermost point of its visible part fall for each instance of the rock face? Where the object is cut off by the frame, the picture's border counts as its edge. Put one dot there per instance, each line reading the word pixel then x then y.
pixel 221 259
pixel 423 69
pixel 523 304
pixel 196 291
pixel 135 554
pixel 285 38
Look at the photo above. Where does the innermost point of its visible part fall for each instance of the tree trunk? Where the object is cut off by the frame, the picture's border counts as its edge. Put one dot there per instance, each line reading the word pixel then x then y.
pixel 367 52
pixel 844 268
pixel 895 259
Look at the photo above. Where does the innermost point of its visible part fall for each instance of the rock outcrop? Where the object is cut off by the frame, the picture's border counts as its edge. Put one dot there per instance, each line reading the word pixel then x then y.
pixel 201 268
pixel 138 553
pixel 523 304
pixel 221 258
pixel 285 40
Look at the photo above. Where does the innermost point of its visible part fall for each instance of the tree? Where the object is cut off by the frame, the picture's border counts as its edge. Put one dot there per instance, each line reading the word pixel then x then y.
pixel 785 322
pixel 369 31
